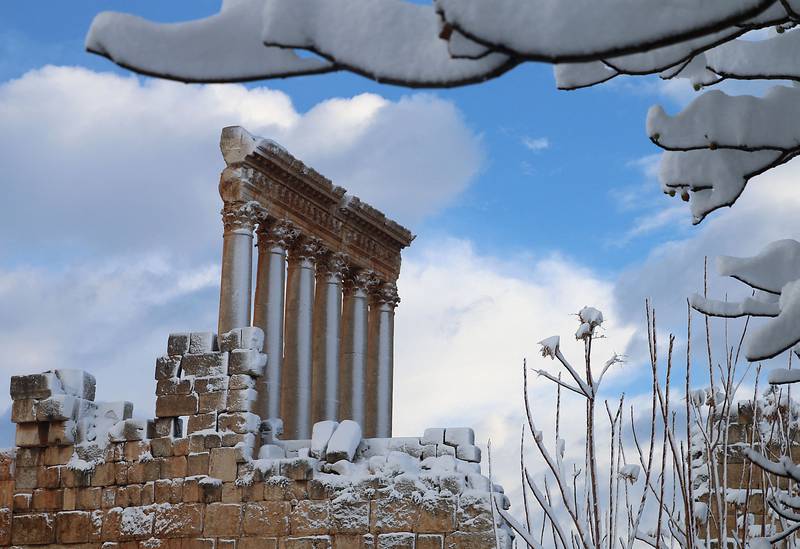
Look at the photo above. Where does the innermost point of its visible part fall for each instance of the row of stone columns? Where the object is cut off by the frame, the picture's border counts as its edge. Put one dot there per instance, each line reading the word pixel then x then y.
pixel 328 325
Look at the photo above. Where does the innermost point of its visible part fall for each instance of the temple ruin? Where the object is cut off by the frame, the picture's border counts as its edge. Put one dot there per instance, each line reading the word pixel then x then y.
pixel 275 431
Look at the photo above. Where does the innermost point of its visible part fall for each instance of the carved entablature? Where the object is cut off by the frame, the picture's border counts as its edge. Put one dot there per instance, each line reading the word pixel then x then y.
pixel 263 171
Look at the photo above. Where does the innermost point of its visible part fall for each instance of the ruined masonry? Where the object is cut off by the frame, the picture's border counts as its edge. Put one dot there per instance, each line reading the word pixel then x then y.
pixel 276 431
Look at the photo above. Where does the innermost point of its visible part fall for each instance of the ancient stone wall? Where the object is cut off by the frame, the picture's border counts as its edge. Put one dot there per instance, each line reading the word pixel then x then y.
pixel 205 473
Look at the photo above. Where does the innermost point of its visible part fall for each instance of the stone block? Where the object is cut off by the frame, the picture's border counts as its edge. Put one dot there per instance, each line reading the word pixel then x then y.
pixel 57 408
pixel 180 447
pixel 457 436
pixel 178 344
pixel 136 450
pixel 209 364
pixel 108 498
pixel 247 361
pixel 239 422
pixel 198 463
pixel 5 527
pixel 223 464
pixel 77 383
pixel 243 439
pixel 197 543
pixel 310 517
pixel 88 498
pixel 35 386
pixel 28 457
pixel 298 468
pixel 469 453
pixel 393 515
pixel 167 367
pixel 6 466
pixel 223 519
pixel 241 381
pixel 243 400
pixel 396 541
pixel 57 455
pixel 211 384
pixel 308 542
pixel 212 402
pixel 128 524
pixel 430 541
pixel 445 450
pixel 474 513
pixel 23 410
pixel 47 499
pixel 230 340
pixel 437 514
pixel 167 427
pixel 258 543
pixel 176 405
pixel 22 502
pixel 35 529
pixel 72 527
pixel 349 517
pixel 161 447
pixel 266 518
pixel 144 471
pixel 174 386
pixel 210 490
pixel 6 494
pixel 128 430
pixel 26 478
pixel 470 540
pixel 31 434
pixel 202 342
pixel 61 433
pixel 104 474
pixel 201 422
pixel 231 493
pixel 178 521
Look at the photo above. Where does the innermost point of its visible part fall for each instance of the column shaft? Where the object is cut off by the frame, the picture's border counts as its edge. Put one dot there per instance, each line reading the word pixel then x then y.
pixel 239 220
pixel 268 313
pixel 352 400
pixel 380 369
pixel 296 390
pixel 327 338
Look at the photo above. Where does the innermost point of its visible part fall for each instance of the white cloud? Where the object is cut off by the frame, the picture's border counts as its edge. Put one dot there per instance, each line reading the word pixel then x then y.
pixel 535 143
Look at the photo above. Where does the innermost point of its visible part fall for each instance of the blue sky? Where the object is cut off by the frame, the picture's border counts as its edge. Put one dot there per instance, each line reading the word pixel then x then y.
pixel 529 203
pixel 562 189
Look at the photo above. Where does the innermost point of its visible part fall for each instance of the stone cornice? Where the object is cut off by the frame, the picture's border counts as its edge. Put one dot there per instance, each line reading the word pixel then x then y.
pixel 261 170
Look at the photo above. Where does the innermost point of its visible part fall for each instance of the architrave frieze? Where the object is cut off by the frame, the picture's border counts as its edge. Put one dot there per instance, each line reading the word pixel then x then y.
pixel 261 170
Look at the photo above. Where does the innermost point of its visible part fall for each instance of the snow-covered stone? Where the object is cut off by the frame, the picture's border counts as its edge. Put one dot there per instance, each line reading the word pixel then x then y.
pixel 457 436
pixel 247 361
pixel 321 433
pixel 344 441
pixel 178 344
pixel 433 435
pixel 202 342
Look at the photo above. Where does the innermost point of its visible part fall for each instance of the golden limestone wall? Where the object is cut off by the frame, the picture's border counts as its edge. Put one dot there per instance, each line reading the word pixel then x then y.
pixel 87 475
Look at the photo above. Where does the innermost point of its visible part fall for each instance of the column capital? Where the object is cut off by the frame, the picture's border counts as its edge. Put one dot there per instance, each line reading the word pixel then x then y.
pixel 333 264
pixel 277 232
pixel 305 248
pixel 359 280
pixel 242 216
pixel 385 293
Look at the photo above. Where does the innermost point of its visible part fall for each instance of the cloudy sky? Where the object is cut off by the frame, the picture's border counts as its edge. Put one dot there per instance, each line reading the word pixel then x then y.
pixel 528 204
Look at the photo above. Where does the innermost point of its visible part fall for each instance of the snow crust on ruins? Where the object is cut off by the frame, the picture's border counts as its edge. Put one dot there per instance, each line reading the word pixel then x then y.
pixel 276 429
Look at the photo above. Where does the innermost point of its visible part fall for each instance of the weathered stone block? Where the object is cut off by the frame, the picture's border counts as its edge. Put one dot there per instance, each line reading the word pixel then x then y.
pixel 88 498
pixel 430 541
pixel 201 422
pixel 5 527
pixel 32 434
pixel 104 474
pixel 23 410
pixel 130 523
pixel 57 408
pixel 180 447
pixel 72 527
pixel 469 453
pixel 168 367
pixel 35 529
pixel 298 468
pixel 22 502
pixel 178 344
pixel 398 515
pixel 47 499
pixel 167 427
pixel 223 519
pixel 474 512
pixel 457 436
pixel 35 386
pixel 258 543
pixel 243 400
pixel 128 430
pixel 223 464
pixel 197 543
pixel 396 541
pixel 211 384
pixel 205 364
pixel 177 521
pixel 28 457
pixel 437 515
pixel 445 450
pixel 61 433
pixel 174 467
pixel 241 381
pixel 6 494
pixel 108 498
pixel 161 447
pixel 77 383
pixel 202 342
pixel 144 471
pixel 198 463
pixel 136 450
pixel 57 455
pixel 176 405
pixel 213 402
pixel 308 542
pixel 239 422
pixel 233 439
pixel 470 540
pixel 310 517
pixel 250 362
pixel 349 517
pixel 266 518
pixel 231 493
pixel 210 490
pixel 174 386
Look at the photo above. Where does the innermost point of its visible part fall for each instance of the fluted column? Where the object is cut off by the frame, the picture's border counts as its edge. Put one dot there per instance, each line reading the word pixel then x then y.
pixel 380 364
pixel 296 389
pixel 327 337
pixel 352 400
pixel 239 220
pixel 274 239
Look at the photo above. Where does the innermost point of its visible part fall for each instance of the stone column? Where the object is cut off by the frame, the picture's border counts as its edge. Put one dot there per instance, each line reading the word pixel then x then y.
pixel 274 239
pixel 239 219
pixel 296 385
pixel 352 392
pixel 380 364
pixel 327 337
